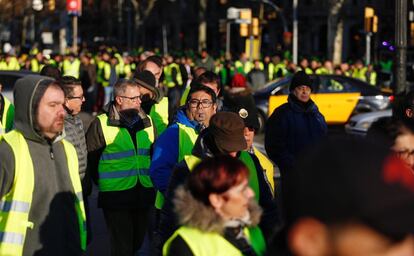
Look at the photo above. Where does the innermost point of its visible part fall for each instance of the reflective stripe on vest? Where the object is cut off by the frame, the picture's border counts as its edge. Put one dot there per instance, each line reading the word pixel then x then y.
pixel 121 165
pixel 245 157
pixel 187 136
pixel 211 243
pixel 15 205
pixel 159 115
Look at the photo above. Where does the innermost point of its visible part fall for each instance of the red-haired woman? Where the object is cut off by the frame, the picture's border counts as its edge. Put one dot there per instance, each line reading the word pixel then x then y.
pixel 217 212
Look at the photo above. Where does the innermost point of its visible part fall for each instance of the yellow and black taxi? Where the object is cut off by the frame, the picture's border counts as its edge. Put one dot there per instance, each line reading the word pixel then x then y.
pixel 337 97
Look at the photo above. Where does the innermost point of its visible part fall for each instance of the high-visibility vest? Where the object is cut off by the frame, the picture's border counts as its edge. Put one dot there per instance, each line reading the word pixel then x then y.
pixel 168 79
pixel 184 96
pixel 16 204
pixel 245 157
pixel 71 68
pixel 270 71
pixel 322 71
pixel 267 167
pixel 212 243
pixel 35 65
pixel 13 64
pixel 243 68
pixel 159 115
pixel 121 165
pixel 280 70
pixel 187 137
pixel 103 73
pixel 371 77
pixel 360 74
pixel 7 119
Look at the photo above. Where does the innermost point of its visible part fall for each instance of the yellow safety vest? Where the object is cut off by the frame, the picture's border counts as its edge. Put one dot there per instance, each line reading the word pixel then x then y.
pixel 168 79
pixel 6 121
pixel 243 68
pixel 121 165
pixel 212 243
pixel 183 99
pixel 187 137
pixel 16 204
pixel 267 167
pixel 71 68
pixel 159 115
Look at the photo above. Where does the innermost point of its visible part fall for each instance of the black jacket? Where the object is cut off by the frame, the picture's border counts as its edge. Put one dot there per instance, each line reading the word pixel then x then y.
pixel 291 128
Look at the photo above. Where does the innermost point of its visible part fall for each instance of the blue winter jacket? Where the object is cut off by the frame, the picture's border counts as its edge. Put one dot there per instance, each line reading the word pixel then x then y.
pixel 290 129
pixel 165 155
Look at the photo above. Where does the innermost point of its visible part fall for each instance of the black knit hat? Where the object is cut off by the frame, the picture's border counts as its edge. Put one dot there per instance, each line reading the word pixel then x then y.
pixel 245 107
pixel 147 80
pixel 300 78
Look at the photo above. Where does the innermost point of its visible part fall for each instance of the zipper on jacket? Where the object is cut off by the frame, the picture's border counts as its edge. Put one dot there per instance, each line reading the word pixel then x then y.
pixel 52 155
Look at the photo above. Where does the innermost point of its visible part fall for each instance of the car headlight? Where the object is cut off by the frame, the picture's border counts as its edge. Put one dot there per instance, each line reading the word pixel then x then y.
pixel 365 125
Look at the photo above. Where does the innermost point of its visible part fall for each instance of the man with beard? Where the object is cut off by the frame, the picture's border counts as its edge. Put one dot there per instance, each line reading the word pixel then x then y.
pixel 40 185
pixel 119 142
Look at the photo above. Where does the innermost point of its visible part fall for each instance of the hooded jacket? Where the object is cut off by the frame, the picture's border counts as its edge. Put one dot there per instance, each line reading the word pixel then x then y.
pixel 56 229
pixel 204 148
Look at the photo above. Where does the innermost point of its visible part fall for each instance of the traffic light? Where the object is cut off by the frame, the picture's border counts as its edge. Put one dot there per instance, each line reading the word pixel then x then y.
pixel 375 24
pixel 52 5
pixel 246 17
pixel 255 26
pixel 368 17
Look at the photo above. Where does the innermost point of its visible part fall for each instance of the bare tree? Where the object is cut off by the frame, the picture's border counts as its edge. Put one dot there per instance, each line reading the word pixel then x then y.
pixel 335 30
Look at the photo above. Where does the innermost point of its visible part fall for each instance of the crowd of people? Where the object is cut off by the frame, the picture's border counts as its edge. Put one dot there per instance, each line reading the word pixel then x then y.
pixel 173 159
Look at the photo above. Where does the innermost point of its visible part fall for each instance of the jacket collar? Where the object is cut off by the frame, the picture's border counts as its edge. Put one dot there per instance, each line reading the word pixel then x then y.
pixel 196 214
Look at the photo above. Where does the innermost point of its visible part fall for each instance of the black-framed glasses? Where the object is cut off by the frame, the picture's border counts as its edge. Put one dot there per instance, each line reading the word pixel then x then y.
pixel 204 103
pixel 133 99
pixel 76 97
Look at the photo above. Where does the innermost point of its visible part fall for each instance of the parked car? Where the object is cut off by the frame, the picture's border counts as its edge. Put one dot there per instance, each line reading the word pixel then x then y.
pixel 359 124
pixel 9 78
pixel 337 97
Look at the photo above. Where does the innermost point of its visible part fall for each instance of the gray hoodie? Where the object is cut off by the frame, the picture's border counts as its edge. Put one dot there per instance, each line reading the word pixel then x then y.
pixel 52 211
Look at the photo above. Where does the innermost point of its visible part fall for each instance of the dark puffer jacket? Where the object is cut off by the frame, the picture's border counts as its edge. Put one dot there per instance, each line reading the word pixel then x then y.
pixel 75 134
pixel 291 128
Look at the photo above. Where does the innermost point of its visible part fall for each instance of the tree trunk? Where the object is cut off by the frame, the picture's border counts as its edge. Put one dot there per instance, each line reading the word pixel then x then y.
pixel 202 29
pixel 335 30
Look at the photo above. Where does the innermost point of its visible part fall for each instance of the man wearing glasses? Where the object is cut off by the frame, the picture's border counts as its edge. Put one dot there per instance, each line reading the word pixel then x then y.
pixel 74 132
pixel 178 139
pixel 119 143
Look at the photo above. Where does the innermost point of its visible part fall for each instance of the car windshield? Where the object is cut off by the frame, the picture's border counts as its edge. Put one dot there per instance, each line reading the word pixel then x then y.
pixel 272 85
